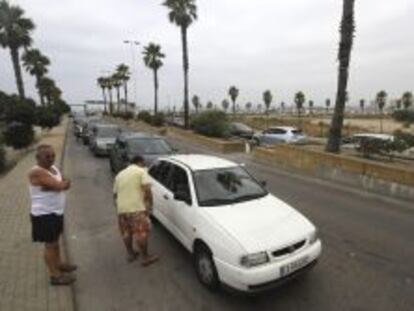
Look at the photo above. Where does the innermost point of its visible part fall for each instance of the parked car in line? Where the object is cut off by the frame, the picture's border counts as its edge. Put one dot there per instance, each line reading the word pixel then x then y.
pixel 241 130
pixel 279 134
pixel 151 147
pixel 86 131
pixel 356 140
pixel 103 137
pixel 239 233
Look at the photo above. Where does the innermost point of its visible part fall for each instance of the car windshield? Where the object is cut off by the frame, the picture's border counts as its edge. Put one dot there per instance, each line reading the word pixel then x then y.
pixel 149 146
pixel 241 127
pixel 107 131
pixel 297 132
pixel 226 186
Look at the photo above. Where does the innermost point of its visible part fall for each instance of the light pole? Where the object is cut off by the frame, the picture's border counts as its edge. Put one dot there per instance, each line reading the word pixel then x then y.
pixel 133 65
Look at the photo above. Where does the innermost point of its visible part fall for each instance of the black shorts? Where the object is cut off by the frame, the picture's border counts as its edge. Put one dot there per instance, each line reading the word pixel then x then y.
pixel 46 228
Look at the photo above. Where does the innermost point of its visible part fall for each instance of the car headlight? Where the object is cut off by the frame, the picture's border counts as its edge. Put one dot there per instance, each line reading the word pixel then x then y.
pixel 313 237
pixel 253 260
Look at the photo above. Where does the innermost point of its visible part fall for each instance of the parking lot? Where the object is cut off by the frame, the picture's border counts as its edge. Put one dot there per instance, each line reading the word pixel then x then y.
pixel 367 248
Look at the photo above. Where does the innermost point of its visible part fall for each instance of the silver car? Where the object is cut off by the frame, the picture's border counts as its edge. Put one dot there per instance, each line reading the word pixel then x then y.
pixel 103 138
pixel 279 134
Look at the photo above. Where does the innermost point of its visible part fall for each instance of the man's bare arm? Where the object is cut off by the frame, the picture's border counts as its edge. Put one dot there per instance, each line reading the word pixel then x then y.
pixel 41 178
pixel 148 199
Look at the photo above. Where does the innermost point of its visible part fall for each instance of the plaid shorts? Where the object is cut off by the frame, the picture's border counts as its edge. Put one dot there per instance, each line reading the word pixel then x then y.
pixel 136 224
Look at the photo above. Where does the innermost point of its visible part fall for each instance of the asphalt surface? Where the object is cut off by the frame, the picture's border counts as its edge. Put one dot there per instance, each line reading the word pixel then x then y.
pixel 367 261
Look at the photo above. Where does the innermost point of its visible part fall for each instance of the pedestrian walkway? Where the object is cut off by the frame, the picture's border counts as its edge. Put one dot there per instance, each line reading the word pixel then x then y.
pixel 24 282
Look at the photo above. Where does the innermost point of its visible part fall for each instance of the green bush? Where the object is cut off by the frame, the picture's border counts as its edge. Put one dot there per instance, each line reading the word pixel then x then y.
pixel 127 115
pixel 403 140
pixel 144 116
pixel 405 116
pixel 22 111
pixel 211 123
pixel 46 117
pixel 2 158
pixel 158 119
pixel 18 135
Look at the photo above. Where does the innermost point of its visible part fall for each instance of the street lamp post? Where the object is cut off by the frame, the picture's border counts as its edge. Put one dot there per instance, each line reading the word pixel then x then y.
pixel 133 65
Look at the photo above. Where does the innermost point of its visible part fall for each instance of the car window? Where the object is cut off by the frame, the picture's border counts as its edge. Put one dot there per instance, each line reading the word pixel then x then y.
pixel 179 180
pixel 297 132
pixel 161 172
pixel 149 146
pixel 277 131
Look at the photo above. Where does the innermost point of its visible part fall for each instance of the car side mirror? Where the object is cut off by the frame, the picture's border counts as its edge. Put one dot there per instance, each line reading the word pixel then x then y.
pixel 263 183
pixel 183 196
pixel 175 150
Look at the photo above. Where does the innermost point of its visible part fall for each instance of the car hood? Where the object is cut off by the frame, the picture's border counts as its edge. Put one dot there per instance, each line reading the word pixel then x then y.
pixel 263 224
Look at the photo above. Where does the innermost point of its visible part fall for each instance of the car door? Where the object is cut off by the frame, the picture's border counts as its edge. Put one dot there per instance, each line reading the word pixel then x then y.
pixel 182 214
pixel 277 135
pixel 160 173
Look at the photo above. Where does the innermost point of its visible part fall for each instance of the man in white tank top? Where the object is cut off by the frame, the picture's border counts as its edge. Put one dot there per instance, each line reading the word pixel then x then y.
pixel 47 186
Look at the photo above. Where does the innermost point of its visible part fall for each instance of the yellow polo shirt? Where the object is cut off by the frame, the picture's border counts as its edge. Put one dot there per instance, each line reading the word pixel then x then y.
pixel 128 188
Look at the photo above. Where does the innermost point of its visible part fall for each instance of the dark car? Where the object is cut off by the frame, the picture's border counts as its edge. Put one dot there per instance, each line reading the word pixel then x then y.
pixel 151 147
pixel 241 130
pixel 103 137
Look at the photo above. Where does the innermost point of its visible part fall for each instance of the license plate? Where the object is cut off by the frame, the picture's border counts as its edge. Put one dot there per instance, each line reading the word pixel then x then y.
pixel 293 266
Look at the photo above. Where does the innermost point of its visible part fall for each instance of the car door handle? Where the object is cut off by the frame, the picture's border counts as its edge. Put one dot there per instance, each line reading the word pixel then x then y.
pixel 165 197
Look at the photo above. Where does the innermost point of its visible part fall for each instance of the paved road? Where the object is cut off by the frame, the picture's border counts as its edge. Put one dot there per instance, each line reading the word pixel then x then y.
pixel 367 262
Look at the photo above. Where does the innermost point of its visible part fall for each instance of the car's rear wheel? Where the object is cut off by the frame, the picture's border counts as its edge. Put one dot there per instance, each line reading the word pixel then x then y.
pixel 205 267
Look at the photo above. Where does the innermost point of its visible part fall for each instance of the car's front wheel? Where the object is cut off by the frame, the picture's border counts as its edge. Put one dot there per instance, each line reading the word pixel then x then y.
pixel 205 267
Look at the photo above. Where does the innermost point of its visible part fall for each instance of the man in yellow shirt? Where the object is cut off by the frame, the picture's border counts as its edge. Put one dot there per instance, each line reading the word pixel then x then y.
pixel 133 200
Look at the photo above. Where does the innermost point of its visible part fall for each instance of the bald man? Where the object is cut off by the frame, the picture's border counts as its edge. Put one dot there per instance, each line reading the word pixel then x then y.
pixel 47 187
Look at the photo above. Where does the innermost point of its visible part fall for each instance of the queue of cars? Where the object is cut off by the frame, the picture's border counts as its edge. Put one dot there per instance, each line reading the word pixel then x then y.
pixel 238 233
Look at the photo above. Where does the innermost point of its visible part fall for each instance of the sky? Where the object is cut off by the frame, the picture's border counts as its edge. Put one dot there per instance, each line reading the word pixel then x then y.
pixel 281 46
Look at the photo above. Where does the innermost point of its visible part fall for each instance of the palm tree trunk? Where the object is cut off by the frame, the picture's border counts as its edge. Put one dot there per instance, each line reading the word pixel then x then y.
pixel 345 46
pixel 104 98
pixel 234 107
pixel 17 71
pixel 155 92
pixel 118 97
pixel 111 106
pixel 126 95
pixel 42 101
pixel 185 67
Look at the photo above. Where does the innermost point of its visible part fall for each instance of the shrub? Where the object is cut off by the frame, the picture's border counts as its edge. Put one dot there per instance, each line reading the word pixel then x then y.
pixel 405 116
pixel 127 115
pixel 211 123
pixel 22 111
pixel 144 116
pixel 18 135
pixel 46 117
pixel 403 140
pixel 2 158
pixel 158 119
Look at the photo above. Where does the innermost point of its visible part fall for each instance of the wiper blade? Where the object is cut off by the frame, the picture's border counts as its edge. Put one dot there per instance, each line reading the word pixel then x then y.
pixel 248 197
pixel 215 202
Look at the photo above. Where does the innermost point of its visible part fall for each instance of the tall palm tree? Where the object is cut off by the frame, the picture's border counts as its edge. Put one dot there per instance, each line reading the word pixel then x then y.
pixel 196 102
pixel 233 93
pixel 362 105
pixel 124 75
pixel 109 84
pixel 102 84
pixel 327 104
pixel 407 100
pixel 282 107
pixel 299 101
pixel 248 106
pixel 153 60
pixel 117 83
pixel 15 32
pixel 183 13
pixel 310 103
pixel 225 104
pixel 36 64
pixel 381 100
pixel 347 30
pixel 46 88
pixel 209 105
pixel 267 99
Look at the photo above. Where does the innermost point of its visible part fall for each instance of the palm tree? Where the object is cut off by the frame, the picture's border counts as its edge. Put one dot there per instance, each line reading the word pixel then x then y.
pixel 117 83
pixel 233 93
pixel 36 64
pixel 398 104
pixel 153 60
pixel 14 34
pixel 46 88
pixel 248 106
pixel 225 104
pixel 102 84
pixel 183 13
pixel 267 99
pixel 124 75
pixel 310 103
pixel 327 104
pixel 407 100
pixel 209 105
pixel 381 100
pixel 109 83
pixel 196 102
pixel 299 101
pixel 344 56
pixel 362 105
pixel 282 107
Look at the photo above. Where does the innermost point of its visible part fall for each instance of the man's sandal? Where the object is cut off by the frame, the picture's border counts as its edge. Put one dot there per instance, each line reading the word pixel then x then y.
pixel 62 280
pixel 149 260
pixel 66 267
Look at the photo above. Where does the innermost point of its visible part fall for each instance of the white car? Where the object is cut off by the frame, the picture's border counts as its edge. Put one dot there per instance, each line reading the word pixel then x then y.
pixel 238 233
pixel 279 134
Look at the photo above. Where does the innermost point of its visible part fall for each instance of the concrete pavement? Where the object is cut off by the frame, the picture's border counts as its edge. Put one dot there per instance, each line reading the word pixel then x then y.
pixel 24 282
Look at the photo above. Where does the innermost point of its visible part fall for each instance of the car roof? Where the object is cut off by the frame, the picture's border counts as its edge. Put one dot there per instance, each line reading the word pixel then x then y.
pixel 374 135
pixel 198 162
pixel 98 125
pixel 132 135
pixel 287 128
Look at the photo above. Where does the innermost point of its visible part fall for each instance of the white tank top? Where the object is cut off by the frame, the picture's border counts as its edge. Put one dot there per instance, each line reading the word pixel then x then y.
pixel 47 202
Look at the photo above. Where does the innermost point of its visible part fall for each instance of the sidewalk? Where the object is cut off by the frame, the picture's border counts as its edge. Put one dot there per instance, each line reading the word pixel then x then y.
pixel 24 282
